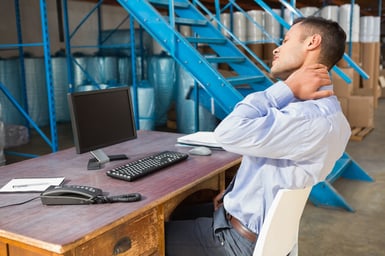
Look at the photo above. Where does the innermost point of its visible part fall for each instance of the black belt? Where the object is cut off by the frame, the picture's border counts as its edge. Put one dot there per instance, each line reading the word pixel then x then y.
pixel 241 229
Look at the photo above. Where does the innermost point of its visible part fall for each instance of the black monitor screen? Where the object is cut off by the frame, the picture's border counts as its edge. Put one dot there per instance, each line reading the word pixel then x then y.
pixel 101 118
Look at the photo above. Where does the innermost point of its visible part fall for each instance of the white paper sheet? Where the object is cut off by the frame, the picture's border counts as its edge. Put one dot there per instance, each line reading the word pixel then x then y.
pixel 31 184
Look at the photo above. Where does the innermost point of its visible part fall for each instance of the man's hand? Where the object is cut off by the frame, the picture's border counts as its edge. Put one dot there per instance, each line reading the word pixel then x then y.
pixel 306 81
pixel 218 200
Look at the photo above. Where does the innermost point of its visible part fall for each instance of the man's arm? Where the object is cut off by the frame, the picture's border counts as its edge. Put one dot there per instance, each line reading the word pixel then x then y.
pixel 260 125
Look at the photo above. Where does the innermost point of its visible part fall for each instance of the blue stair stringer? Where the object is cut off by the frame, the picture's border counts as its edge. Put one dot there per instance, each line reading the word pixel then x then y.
pixel 164 31
pixel 323 193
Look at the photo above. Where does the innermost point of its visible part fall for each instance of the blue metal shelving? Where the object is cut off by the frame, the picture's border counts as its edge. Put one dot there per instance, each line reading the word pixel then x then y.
pixel 45 44
pixel 69 35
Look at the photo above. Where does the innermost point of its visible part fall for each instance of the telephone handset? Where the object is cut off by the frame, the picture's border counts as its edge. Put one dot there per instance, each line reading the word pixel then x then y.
pixel 70 194
pixel 76 194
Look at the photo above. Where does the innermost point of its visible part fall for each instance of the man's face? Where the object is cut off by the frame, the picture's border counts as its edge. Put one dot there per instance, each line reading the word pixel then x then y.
pixel 290 56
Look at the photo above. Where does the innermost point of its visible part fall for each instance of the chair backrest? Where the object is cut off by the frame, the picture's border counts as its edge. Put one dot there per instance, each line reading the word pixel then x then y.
pixel 279 232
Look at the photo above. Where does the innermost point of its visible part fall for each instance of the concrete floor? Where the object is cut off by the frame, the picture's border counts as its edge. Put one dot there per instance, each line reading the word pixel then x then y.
pixel 323 231
pixel 343 233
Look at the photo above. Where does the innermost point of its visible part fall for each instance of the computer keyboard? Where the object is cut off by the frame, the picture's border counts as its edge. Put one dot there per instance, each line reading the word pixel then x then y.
pixel 146 165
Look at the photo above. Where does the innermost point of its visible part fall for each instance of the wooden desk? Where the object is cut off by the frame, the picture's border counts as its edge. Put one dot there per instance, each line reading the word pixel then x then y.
pixel 34 229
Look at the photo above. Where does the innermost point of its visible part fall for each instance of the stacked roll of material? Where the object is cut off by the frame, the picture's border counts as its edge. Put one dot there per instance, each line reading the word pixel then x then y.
pixel 80 70
pixel 377 29
pixel 124 70
pixel 146 105
pixel 96 70
pixel 239 26
pixel 141 68
pixel 161 75
pixel 37 96
pixel 254 32
pixel 103 69
pixel 60 88
pixel 185 107
pixel 350 26
pixel 10 77
pixel 309 11
pixel 330 12
pixel 289 17
pixel 370 30
pixel 272 26
pixel 226 21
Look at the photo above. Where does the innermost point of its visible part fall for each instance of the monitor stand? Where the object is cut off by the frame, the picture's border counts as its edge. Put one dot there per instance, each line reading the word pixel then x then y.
pixel 100 158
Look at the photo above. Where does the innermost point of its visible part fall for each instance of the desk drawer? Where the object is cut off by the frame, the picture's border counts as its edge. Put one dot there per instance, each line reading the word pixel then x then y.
pixel 139 236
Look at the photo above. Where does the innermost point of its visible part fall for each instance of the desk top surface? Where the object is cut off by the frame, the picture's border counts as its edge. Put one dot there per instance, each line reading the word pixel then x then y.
pixel 62 225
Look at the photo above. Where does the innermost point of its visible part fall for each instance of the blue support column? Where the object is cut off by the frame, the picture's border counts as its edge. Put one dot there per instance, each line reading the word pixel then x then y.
pixel 48 77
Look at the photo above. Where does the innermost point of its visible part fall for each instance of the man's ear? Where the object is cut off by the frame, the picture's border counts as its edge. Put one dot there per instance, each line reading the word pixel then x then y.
pixel 314 41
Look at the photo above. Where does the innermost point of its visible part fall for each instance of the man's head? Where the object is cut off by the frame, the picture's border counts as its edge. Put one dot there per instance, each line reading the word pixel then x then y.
pixel 310 40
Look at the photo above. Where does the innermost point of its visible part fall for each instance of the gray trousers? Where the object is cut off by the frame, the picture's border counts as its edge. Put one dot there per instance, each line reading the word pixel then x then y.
pixel 202 236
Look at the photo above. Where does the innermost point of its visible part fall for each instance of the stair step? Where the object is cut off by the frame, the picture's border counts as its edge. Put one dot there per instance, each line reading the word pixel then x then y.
pixel 207 40
pixel 166 3
pixel 225 95
pixel 237 80
pixel 213 59
pixel 186 21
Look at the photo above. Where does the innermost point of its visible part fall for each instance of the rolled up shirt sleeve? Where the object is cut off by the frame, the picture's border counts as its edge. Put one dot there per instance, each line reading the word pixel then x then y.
pixel 262 126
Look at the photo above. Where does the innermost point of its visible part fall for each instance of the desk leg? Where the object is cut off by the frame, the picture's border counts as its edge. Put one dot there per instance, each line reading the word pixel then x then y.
pixel 162 242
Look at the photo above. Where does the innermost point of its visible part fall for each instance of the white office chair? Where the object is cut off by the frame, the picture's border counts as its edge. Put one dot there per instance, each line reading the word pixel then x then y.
pixel 279 232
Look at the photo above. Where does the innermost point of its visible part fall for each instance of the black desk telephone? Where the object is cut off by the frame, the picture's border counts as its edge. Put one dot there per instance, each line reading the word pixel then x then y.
pixel 77 194
pixel 70 194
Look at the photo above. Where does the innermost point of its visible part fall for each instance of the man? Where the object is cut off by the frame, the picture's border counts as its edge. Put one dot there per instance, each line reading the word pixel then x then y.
pixel 289 135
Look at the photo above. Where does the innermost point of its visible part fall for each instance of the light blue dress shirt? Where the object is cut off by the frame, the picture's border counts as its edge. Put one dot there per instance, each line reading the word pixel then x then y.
pixel 285 143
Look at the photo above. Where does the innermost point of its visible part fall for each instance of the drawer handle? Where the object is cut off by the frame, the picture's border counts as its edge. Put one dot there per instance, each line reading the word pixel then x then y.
pixel 124 244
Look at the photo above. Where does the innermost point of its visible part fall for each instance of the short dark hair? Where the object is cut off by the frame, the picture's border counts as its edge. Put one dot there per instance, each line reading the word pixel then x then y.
pixel 333 38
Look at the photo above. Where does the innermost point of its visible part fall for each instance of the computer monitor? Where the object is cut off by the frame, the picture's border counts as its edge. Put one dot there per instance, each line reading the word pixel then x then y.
pixel 101 118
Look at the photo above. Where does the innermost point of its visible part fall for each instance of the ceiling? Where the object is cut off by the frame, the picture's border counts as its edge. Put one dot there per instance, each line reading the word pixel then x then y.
pixel 367 7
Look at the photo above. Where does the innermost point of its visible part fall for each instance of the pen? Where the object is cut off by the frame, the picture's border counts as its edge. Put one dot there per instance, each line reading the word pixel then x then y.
pixel 30 185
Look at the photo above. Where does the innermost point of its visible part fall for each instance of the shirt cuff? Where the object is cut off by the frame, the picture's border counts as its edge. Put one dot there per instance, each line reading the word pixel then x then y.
pixel 280 93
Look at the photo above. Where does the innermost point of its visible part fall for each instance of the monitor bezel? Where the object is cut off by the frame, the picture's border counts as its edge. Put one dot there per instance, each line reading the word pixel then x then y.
pixel 74 115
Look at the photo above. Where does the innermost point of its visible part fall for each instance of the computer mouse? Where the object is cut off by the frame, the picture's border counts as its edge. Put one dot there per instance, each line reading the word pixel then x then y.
pixel 201 151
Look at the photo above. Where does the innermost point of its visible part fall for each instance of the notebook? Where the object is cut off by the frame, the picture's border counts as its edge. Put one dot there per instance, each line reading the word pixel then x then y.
pixel 201 138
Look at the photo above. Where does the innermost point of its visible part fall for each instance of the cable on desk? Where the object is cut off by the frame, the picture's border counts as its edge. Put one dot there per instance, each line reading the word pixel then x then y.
pixel 23 202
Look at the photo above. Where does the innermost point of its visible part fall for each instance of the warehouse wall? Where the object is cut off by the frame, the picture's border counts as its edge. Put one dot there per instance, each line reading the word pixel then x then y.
pixel 31 24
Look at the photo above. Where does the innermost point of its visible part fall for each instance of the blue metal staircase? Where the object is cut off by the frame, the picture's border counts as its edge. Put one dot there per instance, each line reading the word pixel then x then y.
pixel 225 91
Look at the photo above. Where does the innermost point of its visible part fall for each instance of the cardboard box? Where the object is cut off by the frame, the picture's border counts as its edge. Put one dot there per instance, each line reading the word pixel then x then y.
pixel 257 49
pixel 340 87
pixel 361 111
pixel 268 49
pixel 370 61
pixel 376 92
pixel 355 54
